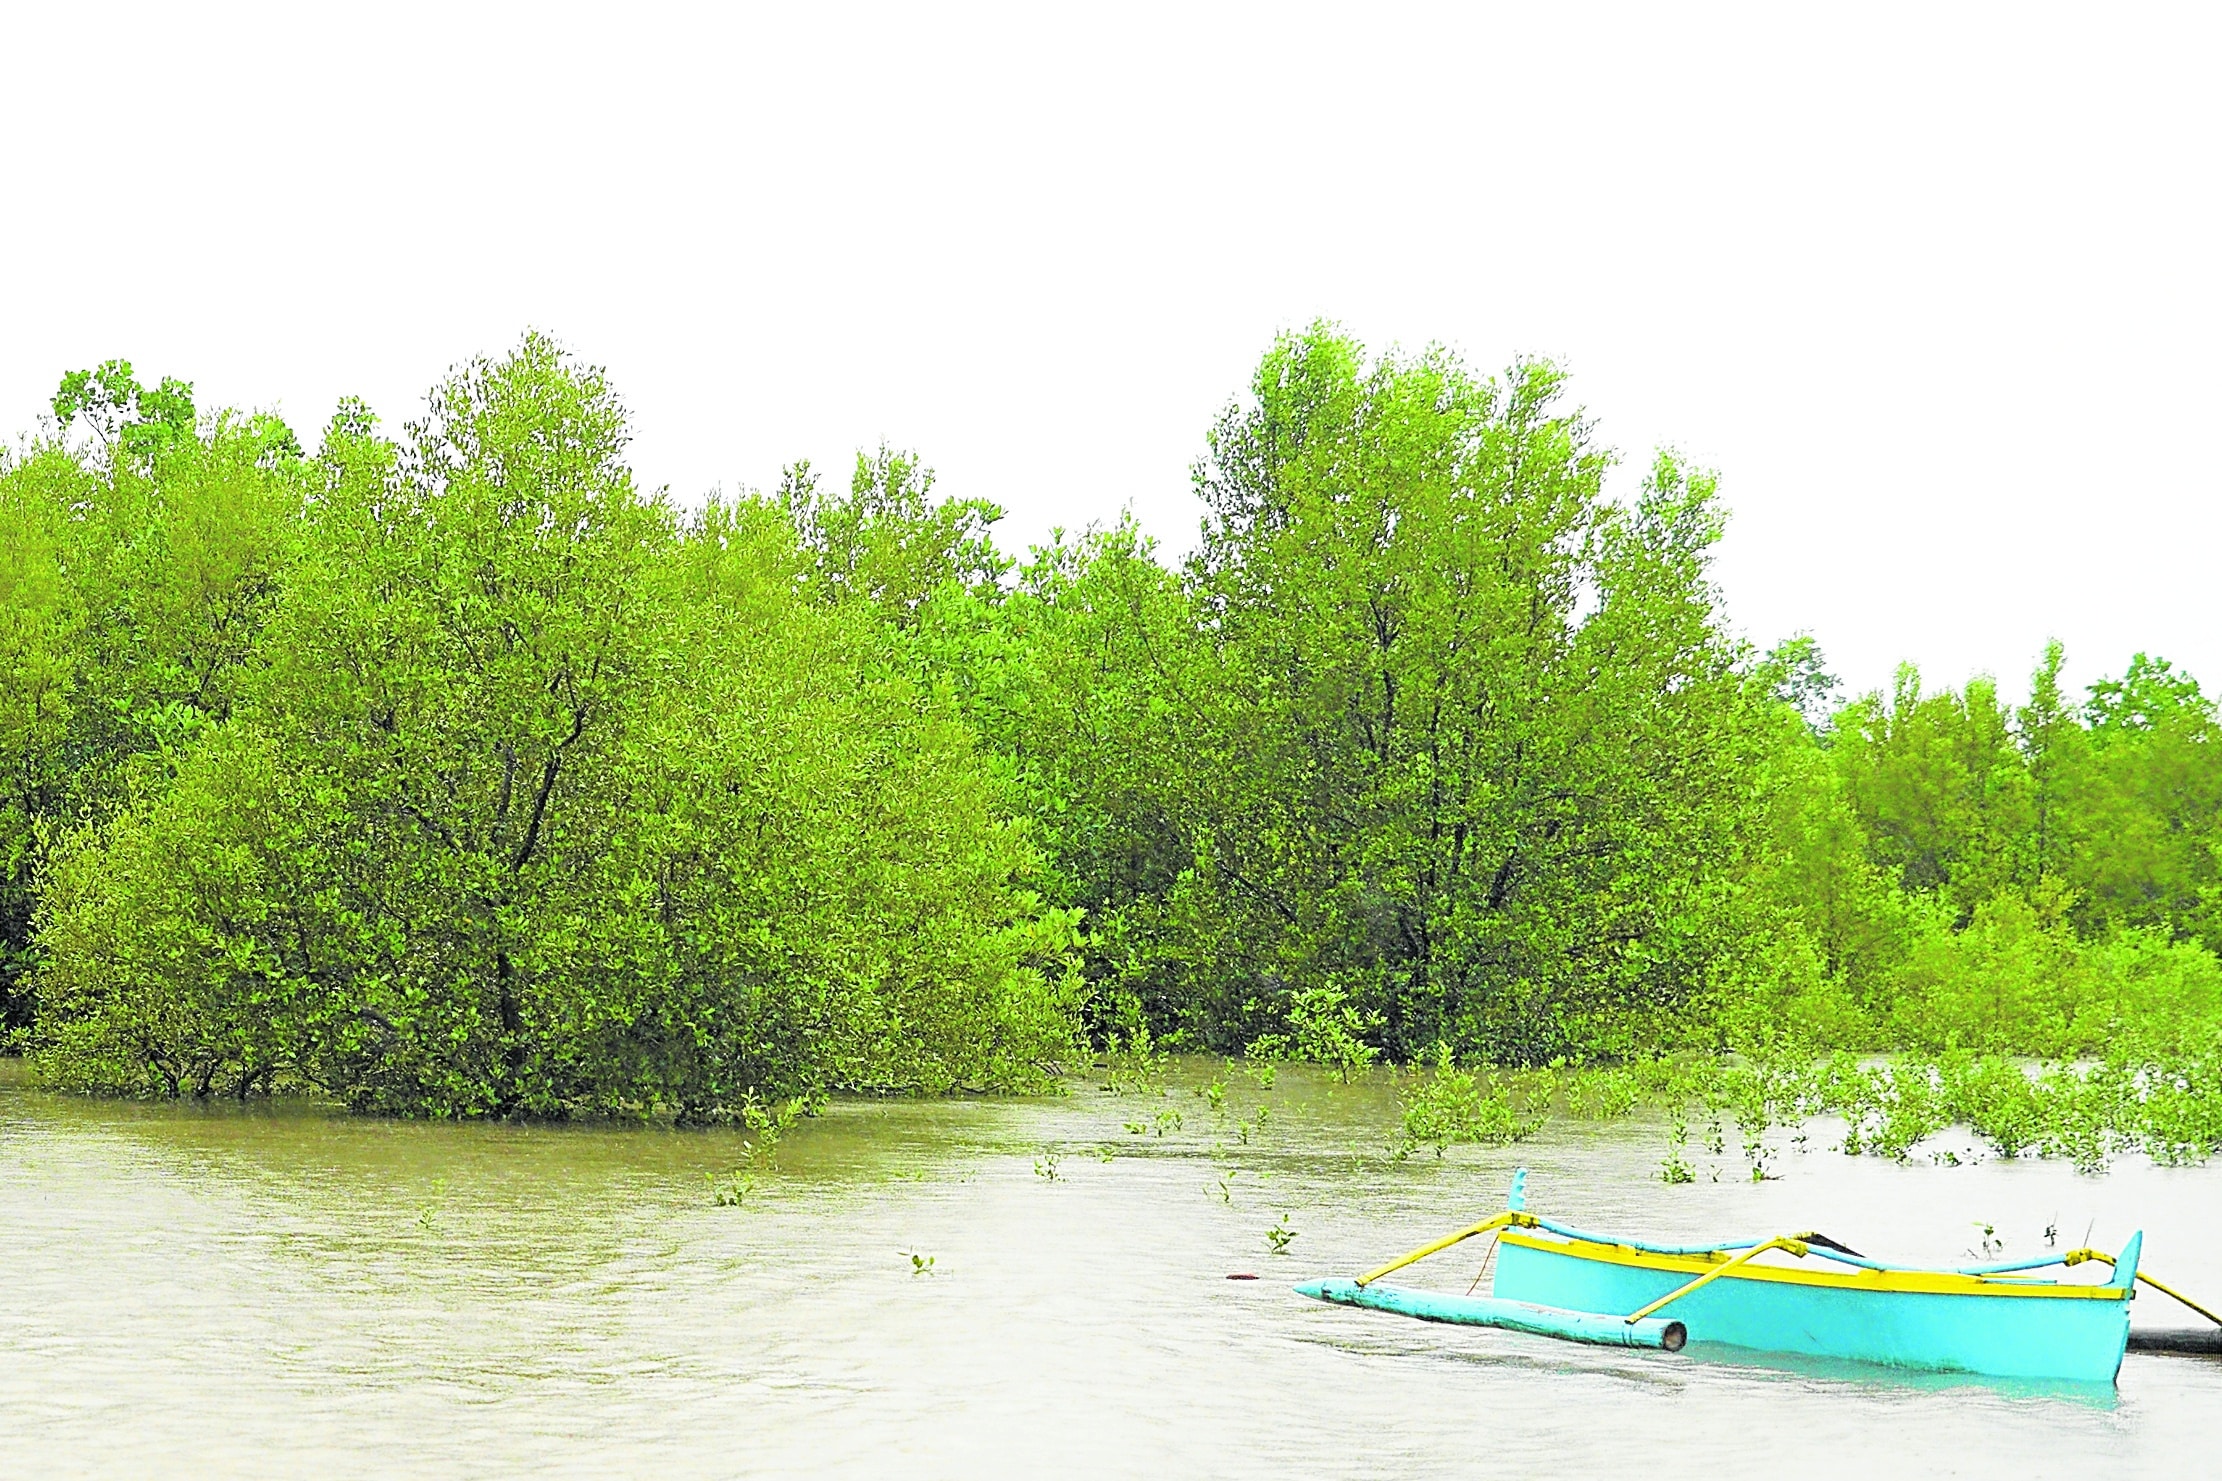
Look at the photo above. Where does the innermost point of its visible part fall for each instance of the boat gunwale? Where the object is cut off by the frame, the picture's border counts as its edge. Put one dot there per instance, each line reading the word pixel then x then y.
pixel 1858 1281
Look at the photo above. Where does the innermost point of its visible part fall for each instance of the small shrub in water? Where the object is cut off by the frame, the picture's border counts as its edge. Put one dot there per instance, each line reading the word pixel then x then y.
pixel 1600 1095
pixel 1134 1061
pixel 1328 1030
pixel 1676 1168
pixel 768 1123
pixel 1258 1064
pixel 729 1192
pixel 1446 1105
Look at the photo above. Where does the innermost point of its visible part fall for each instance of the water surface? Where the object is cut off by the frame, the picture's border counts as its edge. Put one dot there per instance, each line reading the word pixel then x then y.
pixel 280 1291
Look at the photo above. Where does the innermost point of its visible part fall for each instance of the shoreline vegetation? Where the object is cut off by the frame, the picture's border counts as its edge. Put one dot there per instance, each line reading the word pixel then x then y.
pixel 444 772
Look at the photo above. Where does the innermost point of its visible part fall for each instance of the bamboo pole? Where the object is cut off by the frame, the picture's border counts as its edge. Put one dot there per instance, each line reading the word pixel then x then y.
pixel 1509 1217
pixel 1794 1243
pixel 2077 1257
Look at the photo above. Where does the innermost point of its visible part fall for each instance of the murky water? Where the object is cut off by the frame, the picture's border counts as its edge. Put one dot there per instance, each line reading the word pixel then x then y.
pixel 280 1292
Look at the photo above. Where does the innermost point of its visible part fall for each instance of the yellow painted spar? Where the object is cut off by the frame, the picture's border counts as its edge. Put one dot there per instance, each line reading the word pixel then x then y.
pixel 1911 1282
pixel 1792 1293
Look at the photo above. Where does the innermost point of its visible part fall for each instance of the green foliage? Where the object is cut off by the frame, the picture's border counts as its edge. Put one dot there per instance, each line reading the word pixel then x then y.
pixel 1601 1094
pixel 40 627
pixel 1446 1106
pixel 888 542
pixel 1325 1028
pixel 1675 1167
pixel 537 801
pixel 1795 674
pixel 448 773
pixel 137 577
pixel 1430 740
pixel 732 1190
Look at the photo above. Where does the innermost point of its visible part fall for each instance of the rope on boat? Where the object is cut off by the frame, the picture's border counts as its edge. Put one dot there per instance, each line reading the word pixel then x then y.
pixel 1510 1217
pixel 1832 1250
pixel 1739 1252
pixel 2077 1257
pixel 1793 1243
pixel 1485 1259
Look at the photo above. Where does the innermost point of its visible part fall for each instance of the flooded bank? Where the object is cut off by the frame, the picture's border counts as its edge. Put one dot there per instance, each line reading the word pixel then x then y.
pixel 968 1287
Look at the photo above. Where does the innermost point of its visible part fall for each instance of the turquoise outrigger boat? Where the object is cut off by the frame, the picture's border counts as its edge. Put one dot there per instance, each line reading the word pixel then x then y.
pixel 2000 1320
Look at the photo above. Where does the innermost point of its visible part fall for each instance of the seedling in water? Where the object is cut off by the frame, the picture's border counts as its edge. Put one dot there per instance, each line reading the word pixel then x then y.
pixel 1676 1168
pixel 1279 1236
pixel 728 1194
pixel 1136 1128
pixel 919 1264
pixel 1045 1166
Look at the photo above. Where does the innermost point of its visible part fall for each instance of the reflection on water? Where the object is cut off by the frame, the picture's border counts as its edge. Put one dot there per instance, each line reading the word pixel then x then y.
pixel 1839 1371
pixel 281 1292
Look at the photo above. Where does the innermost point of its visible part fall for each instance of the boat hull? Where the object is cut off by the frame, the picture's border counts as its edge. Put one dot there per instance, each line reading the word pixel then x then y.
pixel 1939 1322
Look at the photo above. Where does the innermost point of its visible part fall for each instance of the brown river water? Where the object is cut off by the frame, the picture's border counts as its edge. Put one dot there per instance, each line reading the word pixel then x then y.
pixel 281 1291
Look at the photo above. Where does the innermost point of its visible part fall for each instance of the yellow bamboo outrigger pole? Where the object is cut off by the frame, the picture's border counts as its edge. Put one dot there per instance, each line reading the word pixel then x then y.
pixel 1794 1243
pixel 1510 1218
pixel 2077 1257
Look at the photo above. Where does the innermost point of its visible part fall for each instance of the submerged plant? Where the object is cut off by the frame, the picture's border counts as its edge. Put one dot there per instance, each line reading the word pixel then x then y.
pixel 1676 1168
pixel 1446 1105
pixel 1134 1061
pixel 1328 1029
pixel 1258 1065
pixel 768 1123
pixel 920 1264
pixel 1600 1094
pixel 729 1192
pixel 1215 1093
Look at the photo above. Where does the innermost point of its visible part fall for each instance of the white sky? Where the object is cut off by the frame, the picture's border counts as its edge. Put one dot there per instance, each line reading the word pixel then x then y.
pixel 1934 287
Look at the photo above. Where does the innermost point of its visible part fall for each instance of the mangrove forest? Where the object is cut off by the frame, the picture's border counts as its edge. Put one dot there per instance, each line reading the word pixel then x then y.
pixel 442 770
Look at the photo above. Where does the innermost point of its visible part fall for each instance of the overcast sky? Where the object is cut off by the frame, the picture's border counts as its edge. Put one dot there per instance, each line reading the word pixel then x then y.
pixel 1933 287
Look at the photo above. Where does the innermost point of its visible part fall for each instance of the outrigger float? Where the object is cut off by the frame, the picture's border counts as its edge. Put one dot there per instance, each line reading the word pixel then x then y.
pixel 2000 1320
